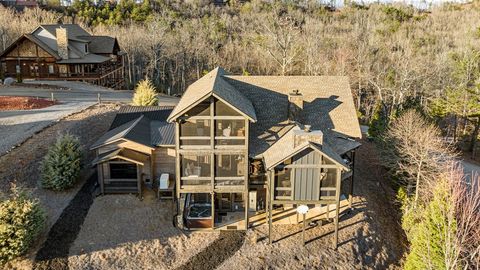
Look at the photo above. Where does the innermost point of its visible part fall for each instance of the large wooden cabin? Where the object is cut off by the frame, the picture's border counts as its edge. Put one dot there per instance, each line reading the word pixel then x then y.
pixel 246 149
pixel 65 52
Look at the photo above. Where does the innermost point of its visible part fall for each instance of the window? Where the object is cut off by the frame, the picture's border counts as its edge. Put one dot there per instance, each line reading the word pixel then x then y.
pixel 229 132
pixel 195 132
pixel 228 165
pixel 123 171
pixel 197 128
pixel 283 183
pixel 201 109
pixel 51 69
pixel 86 48
pixel 222 109
pixel 195 169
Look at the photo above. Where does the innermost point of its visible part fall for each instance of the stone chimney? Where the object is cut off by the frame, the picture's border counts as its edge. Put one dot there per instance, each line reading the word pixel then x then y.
pixel 304 135
pixel 62 42
pixel 295 105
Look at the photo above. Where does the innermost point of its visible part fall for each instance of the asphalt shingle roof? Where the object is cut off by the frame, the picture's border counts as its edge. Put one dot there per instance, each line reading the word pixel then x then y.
pixel 328 105
pixel 214 83
pixel 100 44
pixel 74 30
pixel 285 148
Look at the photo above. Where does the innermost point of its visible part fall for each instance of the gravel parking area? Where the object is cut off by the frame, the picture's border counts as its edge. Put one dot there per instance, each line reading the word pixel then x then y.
pixel 123 232
pixel 18 125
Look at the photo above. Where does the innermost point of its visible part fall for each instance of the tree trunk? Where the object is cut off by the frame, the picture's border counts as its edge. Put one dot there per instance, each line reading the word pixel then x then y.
pixel 418 181
pixel 473 140
pixel 455 125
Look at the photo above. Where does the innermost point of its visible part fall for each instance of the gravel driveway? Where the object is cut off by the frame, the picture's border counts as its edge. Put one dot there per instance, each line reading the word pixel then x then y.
pixel 17 126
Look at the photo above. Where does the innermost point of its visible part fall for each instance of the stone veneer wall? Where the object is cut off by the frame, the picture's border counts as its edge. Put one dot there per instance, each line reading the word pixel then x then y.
pixel 62 42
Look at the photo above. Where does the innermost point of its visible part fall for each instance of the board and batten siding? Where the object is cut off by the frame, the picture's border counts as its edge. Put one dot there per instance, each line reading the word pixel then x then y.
pixel 307 180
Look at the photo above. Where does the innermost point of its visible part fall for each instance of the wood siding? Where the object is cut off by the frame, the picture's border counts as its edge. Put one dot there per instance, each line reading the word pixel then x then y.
pixel 307 180
pixel 164 162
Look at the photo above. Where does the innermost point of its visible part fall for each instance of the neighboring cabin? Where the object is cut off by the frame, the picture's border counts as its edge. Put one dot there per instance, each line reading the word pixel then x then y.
pixel 238 147
pixel 65 52
pixel 19 5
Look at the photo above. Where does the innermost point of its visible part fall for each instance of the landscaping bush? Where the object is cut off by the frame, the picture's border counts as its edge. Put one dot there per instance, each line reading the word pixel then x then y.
pixel 145 94
pixel 62 164
pixel 21 220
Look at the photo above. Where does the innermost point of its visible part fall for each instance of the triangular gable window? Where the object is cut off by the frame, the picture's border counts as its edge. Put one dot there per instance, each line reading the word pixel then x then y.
pixel 222 109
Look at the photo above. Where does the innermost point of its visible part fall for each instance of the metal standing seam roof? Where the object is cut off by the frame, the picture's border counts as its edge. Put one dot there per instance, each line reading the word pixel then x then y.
pixel 120 132
pixel 129 113
pixel 143 125
pixel 162 133
pixel 214 84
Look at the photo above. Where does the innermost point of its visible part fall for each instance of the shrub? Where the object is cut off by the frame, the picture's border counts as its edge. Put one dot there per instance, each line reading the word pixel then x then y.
pixel 62 164
pixel 145 94
pixel 21 220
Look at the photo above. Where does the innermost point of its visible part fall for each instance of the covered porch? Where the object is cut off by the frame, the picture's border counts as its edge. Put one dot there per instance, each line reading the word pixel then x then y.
pixel 122 171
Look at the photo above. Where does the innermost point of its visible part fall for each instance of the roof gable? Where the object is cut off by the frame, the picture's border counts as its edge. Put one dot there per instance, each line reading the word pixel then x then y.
pixel 214 84
pixel 284 149
pixel 33 39
pixel 122 132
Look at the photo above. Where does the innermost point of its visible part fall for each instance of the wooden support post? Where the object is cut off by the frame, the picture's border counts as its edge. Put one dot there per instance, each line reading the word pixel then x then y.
pixel 139 180
pixel 350 195
pixel 247 191
pixel 267 198
pixel 270 209
pixel 245 197
pixel 303 230
pixel 213 210
pixel 100 178
pixel 337 206
pixel 270 205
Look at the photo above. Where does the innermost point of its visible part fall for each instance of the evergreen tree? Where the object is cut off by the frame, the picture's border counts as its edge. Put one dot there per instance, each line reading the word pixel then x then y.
pixel 62 164
pixel 145 94
pixel 378 123
pixel 433 238
pixel 21 220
